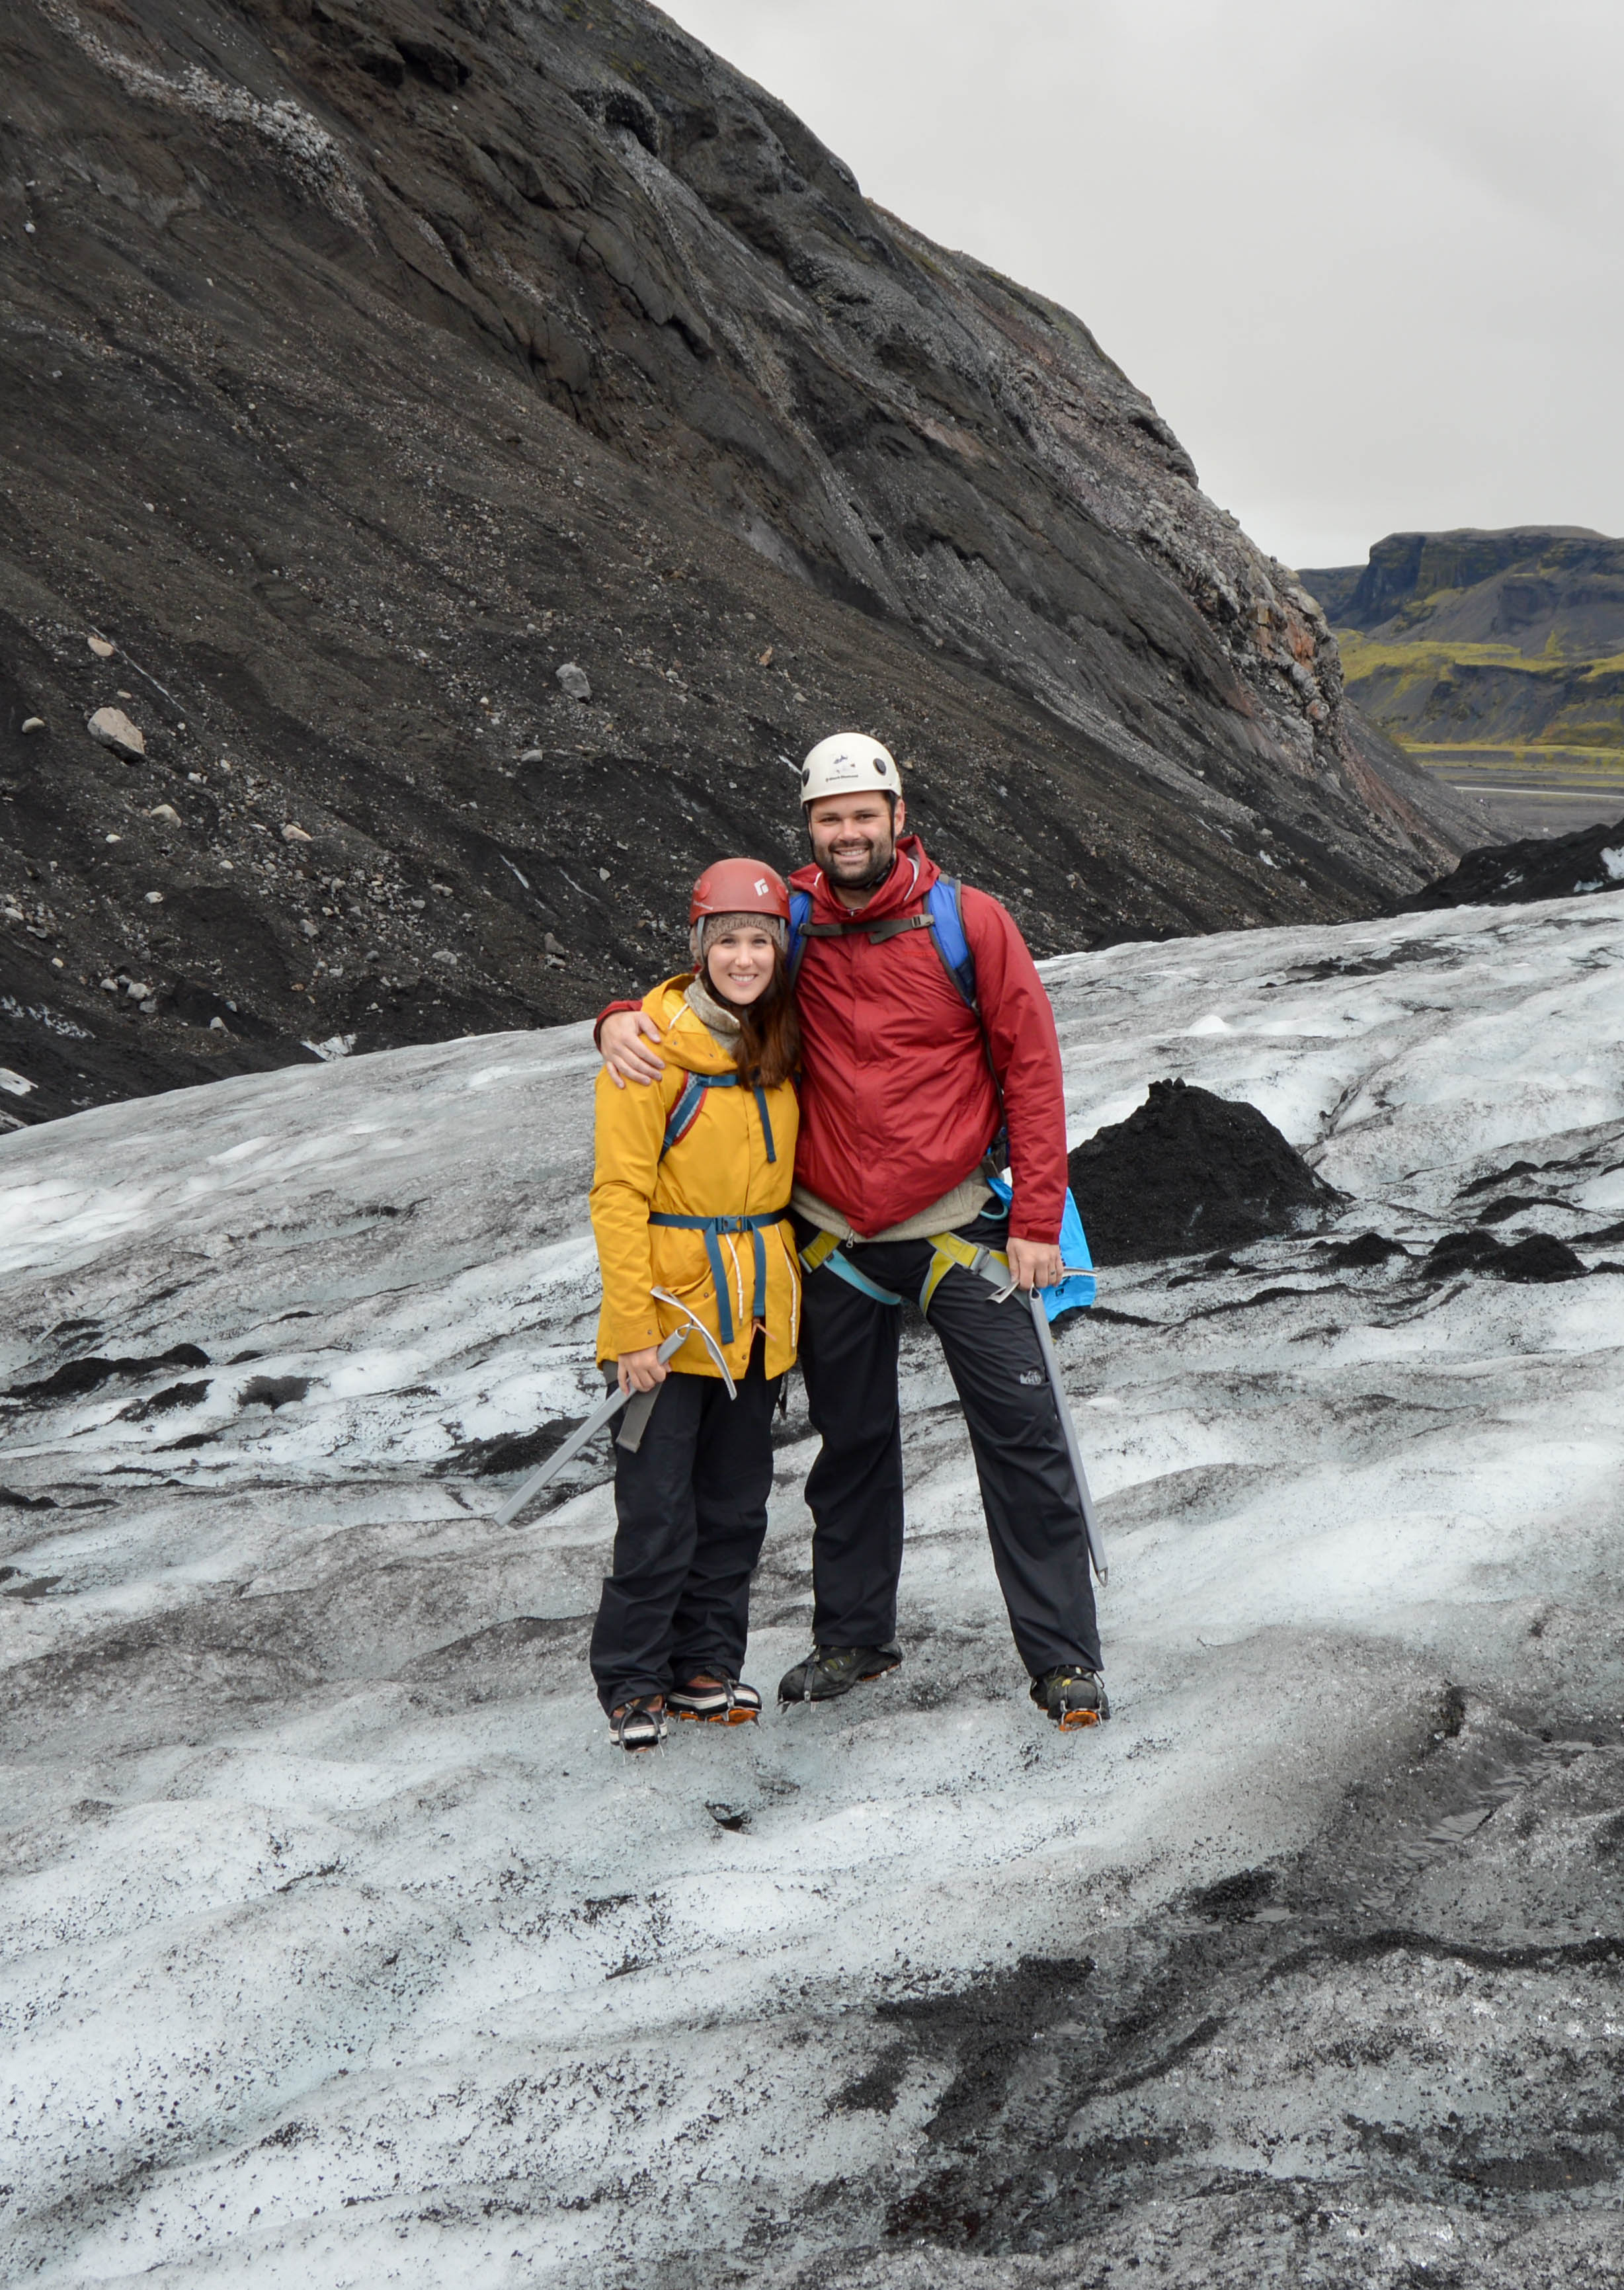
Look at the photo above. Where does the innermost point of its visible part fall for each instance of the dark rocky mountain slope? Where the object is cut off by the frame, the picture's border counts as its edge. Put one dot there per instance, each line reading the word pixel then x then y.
pixel 379 359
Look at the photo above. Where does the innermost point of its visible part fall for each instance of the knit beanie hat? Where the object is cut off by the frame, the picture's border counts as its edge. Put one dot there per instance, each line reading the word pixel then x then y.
pixel 703 935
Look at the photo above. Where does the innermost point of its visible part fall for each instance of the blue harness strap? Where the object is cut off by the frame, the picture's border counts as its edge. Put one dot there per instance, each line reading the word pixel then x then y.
pixel 713 1228
pixel 842 1264
pixel 824 1249
pixel 685 1112
pixel 683 1116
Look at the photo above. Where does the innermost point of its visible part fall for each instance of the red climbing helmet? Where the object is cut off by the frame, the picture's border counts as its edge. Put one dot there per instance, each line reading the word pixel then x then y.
pixel 739 886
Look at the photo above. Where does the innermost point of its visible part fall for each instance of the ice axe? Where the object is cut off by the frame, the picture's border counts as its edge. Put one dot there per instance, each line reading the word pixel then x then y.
pixel 1045 1343
pixel 639 1407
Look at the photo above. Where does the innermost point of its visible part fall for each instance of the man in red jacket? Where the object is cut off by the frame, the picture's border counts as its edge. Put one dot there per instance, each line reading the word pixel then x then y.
pixel 905 1088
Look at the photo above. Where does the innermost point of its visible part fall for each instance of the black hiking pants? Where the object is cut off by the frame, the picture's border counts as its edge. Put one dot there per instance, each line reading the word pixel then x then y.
pixel 691 1511
pixel 854 1490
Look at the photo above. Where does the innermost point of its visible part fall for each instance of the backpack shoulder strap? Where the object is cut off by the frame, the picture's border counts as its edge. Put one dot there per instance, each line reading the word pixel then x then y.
pixel 943 917
pixel 800 908
pixel 948 930
pixel 685 1112
pixel 947 912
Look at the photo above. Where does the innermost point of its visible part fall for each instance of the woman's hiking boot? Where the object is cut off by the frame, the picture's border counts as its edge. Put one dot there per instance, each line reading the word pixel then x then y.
pixel 714 1698
pixel 829 1671
pixel 1072 1697
pixel 639 1725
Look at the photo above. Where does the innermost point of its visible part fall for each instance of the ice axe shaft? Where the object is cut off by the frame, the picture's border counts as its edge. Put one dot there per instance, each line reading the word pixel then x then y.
pixel 1068 1430
pixel 1040 1321
pixel 639 1407
pixel 583 1436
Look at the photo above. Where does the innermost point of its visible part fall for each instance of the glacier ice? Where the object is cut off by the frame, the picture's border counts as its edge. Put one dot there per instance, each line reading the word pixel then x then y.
pixel 338 1948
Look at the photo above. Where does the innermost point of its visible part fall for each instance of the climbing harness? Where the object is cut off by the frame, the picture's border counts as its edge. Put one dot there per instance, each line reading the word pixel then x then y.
pixel 714 1228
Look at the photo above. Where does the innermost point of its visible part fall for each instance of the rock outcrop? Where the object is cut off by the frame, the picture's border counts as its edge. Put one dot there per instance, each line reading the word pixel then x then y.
pixel 1477 639
pixel 1539 867
pixel 385 359
pixel 1521 584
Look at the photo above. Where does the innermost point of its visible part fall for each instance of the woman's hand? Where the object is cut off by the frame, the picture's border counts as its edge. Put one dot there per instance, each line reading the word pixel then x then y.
pixel 621 1049
pixel 641 1370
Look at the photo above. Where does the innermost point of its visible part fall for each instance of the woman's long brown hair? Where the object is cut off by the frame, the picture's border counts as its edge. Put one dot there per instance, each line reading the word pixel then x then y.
pixel 769 1049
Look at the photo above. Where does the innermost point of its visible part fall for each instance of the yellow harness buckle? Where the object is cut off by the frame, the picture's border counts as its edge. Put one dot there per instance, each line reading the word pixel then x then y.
pixel 818 1250
pixel 950 1250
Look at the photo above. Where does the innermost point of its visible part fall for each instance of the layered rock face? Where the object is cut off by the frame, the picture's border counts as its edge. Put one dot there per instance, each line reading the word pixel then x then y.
pixel 384 361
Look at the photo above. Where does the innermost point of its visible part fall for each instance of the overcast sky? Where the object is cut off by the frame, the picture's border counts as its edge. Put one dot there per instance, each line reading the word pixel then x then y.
pixel 1367 258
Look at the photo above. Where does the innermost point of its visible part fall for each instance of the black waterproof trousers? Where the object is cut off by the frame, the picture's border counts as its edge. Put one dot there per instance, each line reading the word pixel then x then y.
pixel 691 1510
pixel 854 1490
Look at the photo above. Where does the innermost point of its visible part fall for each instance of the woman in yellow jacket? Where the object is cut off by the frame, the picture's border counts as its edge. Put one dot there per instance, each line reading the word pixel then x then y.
pixel 691 1213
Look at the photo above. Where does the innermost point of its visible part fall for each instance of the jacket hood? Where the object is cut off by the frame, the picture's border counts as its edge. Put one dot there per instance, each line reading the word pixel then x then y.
pixel 911 876
pixel 685 1038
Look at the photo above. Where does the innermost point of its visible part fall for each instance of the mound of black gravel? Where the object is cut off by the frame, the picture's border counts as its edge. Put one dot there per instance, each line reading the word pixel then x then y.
pixel 1537 1256
pixel 1190 1170
pixel 1503 874
pixel 1370 1248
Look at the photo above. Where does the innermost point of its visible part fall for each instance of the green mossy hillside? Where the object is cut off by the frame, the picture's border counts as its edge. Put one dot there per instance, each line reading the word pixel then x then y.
pixel 1432 693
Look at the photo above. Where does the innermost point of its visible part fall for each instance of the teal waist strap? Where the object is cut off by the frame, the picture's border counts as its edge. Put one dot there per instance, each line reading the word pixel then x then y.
pixel 824 1249
pixel 713 1228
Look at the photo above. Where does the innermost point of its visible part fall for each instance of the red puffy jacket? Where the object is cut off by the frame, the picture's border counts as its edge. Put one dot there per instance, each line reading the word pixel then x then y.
pixel 897 1101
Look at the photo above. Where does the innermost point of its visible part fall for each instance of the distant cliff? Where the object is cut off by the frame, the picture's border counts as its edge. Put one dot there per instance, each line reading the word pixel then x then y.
pixel 1484 638
pixel 383 358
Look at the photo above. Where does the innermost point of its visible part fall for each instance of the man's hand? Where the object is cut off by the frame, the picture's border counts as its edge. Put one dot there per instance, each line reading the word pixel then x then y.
pixel 622 1051
pixel 641 1370
pixel 1033 1263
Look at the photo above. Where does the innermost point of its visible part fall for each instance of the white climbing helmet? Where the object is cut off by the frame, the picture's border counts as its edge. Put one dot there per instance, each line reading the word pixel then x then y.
pixel 848 764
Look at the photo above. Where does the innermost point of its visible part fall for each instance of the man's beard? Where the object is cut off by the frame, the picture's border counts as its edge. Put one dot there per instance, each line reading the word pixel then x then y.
pixel 880 864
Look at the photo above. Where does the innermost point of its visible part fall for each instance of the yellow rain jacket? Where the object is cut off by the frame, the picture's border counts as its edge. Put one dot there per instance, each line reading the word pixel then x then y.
pixel 717 1172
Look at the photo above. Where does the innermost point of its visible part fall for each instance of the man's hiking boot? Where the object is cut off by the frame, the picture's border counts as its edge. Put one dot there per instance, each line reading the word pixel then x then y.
pixel 1072 1697
pixel 829 1671
pixel 714 1698
pixel 640 1724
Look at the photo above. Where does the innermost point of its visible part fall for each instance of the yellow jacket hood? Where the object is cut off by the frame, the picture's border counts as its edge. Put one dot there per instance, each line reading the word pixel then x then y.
pixel 686 1040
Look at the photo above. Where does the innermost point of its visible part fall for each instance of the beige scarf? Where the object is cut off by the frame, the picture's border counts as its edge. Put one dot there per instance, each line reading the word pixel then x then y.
pixel 718 1022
